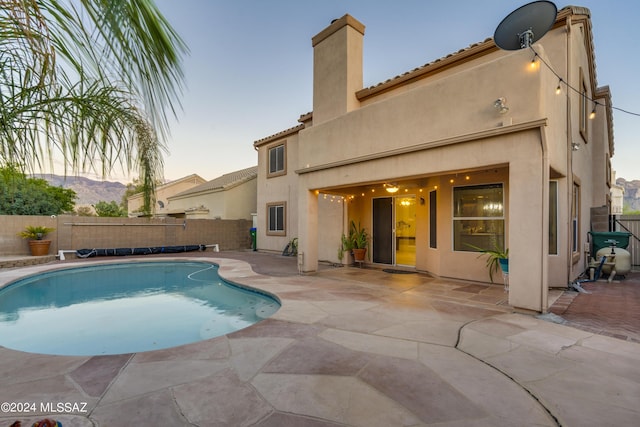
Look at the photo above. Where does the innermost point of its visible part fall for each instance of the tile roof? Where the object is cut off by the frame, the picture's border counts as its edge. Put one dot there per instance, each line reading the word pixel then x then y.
pixel 486 45
pixel 281 134
pixel 223 182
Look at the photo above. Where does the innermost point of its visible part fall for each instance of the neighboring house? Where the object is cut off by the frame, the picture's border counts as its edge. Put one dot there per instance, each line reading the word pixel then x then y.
pixel 617 196
pixel 163 192
pixel 484 147
pixel 230 196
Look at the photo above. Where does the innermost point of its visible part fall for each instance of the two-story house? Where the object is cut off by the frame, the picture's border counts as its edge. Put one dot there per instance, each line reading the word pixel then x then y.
pixel 135 202
pixel 483 148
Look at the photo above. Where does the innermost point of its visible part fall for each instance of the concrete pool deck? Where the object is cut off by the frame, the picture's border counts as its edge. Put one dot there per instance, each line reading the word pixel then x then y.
pixel 349 347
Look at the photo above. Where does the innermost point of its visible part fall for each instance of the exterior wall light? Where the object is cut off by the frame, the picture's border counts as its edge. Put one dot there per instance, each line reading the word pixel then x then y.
pixel 500 104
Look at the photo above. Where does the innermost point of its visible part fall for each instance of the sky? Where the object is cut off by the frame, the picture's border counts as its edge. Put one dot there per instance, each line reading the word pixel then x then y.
pixel 249 71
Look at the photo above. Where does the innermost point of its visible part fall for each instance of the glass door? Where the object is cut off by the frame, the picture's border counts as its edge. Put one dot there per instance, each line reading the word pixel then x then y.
pixel 394 230
pixel 405 230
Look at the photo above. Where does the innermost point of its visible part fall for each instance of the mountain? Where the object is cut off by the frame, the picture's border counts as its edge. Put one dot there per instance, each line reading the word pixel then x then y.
pixel 88 190
pixel 631 193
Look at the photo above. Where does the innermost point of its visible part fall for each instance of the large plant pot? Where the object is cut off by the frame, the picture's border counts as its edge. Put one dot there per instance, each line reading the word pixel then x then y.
pixel 358 254
pixel 39 247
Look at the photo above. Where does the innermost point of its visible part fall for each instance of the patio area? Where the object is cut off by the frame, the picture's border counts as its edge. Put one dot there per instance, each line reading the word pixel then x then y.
pixel 351 347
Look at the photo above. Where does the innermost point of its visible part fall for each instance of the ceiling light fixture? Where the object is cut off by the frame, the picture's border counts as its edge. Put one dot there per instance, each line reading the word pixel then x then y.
pixel 391 188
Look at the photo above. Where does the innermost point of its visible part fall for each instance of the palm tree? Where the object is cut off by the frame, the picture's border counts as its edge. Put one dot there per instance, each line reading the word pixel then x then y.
pixel 92 80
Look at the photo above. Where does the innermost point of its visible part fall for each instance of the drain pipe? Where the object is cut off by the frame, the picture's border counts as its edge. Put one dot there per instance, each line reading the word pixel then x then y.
pixel 569 179
pixel 544 256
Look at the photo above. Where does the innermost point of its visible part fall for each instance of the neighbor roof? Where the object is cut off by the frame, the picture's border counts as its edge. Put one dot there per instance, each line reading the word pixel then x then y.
pixel 223 182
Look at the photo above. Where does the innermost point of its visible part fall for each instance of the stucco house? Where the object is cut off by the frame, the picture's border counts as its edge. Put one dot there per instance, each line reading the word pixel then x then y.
pixel 163 192
pixel 481 148
pixel 230 196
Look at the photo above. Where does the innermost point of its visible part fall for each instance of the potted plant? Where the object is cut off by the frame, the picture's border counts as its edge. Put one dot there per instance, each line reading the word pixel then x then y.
pixel 496 259
pixel 356 243
pixel 36 235
pixel 359 240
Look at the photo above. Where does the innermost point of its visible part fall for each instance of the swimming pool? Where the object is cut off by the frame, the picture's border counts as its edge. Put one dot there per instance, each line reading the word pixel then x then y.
pixel 125 308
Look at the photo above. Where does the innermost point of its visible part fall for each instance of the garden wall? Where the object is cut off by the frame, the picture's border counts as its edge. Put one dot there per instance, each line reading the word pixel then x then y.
pixel 76 232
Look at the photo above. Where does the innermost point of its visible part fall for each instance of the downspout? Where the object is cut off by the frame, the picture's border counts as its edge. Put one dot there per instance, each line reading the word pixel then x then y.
pixel 569 156
pixel 544 254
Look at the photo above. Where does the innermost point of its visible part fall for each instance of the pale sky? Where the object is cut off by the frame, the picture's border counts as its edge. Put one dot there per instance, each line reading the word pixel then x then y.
pixel 249 73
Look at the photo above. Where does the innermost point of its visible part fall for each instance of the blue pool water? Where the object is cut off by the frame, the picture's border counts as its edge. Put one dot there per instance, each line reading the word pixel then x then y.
pixel 125 308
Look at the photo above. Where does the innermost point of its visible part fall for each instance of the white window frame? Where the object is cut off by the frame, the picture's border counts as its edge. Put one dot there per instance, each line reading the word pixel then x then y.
pixel 455 219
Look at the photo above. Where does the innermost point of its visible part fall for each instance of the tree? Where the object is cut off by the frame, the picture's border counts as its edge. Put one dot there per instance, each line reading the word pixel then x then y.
pixel 20 195
pixel 136 187
pixel 84 211
pixel 109 209
pixel 91 80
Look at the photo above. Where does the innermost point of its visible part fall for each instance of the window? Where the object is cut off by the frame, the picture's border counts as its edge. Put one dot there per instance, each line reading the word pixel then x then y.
pixel 575 220
pixel 433 226
pixel 478 217
pixel 276 218
pixel 553 217
pixel 277 160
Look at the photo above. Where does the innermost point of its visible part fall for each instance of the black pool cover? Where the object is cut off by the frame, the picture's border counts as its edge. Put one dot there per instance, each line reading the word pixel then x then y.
pixel 86 253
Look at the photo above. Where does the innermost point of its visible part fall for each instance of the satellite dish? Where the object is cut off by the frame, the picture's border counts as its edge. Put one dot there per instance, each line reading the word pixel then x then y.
pixel 525 25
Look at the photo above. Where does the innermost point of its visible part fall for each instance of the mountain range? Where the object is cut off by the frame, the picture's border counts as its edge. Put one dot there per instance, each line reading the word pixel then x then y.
pixel 89 191
pixel 631 193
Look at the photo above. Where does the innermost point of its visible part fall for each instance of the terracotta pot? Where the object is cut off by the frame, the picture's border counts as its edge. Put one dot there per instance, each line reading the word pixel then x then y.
pixel 39 247
pixel 358 254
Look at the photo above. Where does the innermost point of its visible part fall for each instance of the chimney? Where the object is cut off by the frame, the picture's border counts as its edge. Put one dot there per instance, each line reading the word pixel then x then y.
pixel 337 68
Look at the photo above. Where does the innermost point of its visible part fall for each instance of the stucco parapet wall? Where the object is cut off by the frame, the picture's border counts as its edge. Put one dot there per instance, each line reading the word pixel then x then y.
pixel 464 55
pixel 439 65
pixel 337 25
pixel 520 127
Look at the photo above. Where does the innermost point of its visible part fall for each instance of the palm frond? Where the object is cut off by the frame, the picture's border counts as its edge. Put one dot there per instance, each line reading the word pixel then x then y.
pixel 92 80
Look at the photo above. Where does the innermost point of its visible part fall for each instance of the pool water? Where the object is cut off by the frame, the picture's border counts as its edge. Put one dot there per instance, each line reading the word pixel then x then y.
pixel 125 308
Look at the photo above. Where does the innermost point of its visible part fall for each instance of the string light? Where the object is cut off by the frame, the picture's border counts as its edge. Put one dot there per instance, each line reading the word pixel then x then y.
pixel 559 88
pixel 596 103
pixel 534 64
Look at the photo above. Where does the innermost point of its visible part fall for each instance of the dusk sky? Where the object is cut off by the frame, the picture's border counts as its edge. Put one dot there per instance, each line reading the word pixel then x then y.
pixel 249 72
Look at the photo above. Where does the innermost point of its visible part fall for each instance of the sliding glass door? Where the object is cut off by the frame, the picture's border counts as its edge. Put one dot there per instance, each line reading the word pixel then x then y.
pixel 394 230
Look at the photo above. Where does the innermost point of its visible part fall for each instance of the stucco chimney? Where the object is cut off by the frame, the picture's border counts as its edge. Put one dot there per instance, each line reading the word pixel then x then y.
pixel 337 68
